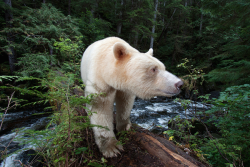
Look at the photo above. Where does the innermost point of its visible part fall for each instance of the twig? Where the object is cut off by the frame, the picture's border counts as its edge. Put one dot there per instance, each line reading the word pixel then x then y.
pixel 67 153
pixel 8 107
pixel 211 137
pixel 68 112
pixel 5 149
pixel 21 163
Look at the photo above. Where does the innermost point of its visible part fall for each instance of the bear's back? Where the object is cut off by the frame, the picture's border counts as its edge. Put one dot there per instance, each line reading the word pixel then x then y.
pixel 98 56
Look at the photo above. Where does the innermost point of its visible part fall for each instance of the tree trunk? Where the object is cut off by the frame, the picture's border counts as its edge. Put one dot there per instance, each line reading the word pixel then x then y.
pixel 119 28
pixel 201 23
pixel 69 7
pixel 43 1
pixel 94 7
pixel 153 28
pixel 10 38
pixel 186 3
pixel 163 20
pixel 50 53
pixel 136 40
pixel 119 25
pixel 50 50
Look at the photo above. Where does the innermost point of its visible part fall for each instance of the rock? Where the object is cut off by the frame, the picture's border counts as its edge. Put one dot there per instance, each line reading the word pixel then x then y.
pixel 214 94
pixel 158 99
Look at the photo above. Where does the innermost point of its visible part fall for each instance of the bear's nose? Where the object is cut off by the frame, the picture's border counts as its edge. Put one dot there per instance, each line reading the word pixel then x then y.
pixel 178 85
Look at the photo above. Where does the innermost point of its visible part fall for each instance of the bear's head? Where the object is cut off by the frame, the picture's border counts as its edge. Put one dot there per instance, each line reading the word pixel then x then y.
pixel 142 74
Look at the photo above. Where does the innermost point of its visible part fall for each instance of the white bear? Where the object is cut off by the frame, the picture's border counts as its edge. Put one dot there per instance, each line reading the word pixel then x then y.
pixel 113 67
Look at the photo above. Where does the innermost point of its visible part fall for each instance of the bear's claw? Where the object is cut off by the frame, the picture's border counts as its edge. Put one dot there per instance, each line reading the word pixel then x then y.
pixel 111 148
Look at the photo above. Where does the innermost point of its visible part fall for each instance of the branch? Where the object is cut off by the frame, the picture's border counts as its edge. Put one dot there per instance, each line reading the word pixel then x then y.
pixel 8 107
pixel 212 138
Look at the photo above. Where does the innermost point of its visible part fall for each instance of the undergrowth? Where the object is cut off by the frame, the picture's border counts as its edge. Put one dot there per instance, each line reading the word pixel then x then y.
pixel 67 140
pixel 224 138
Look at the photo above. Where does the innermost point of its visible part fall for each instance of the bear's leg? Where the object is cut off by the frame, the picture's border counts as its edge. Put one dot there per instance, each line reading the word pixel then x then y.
pixel 124 105
pixel 102 114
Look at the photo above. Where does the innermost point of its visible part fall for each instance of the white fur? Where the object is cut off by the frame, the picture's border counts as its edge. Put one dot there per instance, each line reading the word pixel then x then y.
pixel 113 67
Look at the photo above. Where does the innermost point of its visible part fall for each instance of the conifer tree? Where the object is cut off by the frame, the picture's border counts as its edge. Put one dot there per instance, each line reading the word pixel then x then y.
pixel 231 22
pixel 36 30
pixel 10 36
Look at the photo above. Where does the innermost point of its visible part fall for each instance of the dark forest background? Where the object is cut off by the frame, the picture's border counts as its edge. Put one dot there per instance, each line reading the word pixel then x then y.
pixel 213 35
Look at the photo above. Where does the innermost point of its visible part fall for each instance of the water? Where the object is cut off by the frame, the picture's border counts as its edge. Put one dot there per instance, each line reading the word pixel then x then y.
pixel 155 114
pixel 10 134
pixel 147 114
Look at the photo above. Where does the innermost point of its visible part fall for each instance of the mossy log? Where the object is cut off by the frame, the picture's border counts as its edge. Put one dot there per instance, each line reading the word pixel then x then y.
pixel 168 153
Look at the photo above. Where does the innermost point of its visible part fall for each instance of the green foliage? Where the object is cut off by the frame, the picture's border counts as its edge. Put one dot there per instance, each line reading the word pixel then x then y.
pixel 72 52
pixel 213 35
pixel 180 132
pixel 9 78
pixel 180 125
pixel 123 136
pixel 93 28
pixel 81 150
pixel 61 141
pixel 192 79
pixel 231 115
pixel 231 20
pixel 35 64
pixel 36 31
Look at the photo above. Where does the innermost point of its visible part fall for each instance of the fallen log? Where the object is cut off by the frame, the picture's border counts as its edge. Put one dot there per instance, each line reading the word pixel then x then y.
pixel 169 154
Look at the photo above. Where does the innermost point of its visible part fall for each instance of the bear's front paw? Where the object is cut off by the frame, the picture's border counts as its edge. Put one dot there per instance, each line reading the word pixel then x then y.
pixel 110 147
pixel 123 127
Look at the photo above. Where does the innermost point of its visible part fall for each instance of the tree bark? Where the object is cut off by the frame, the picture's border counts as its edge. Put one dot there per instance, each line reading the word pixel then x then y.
pixel 201 23
pixel 153 28
pixel 163 19
pixel 50 50
pixel 186 3
pixel 119 28
pixel 136 40
pixel 10 38
pixel 94 7
pixel 50 53
pixel 119 25
pixel 169 154
pixel 69 7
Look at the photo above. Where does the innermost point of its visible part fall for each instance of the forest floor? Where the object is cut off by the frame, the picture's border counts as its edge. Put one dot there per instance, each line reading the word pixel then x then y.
pixel 135 155
pixel 132 156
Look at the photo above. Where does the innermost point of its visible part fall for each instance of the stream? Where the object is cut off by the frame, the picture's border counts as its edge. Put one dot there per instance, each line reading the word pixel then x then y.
pixel 151 115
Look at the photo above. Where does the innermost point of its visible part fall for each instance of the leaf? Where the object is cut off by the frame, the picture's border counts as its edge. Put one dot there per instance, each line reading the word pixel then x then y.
pixel 95 164
pixel 81 150
pixel 104 160
pixel 171 138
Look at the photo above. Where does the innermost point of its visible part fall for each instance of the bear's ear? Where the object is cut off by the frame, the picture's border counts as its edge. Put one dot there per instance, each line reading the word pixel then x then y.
pixel 120 51
pixel 150 52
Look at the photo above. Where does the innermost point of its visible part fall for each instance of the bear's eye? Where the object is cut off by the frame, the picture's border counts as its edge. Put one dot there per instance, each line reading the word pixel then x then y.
pixel 154 69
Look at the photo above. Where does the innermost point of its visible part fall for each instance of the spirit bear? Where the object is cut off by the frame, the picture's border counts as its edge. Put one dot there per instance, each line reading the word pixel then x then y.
pixel 113 67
